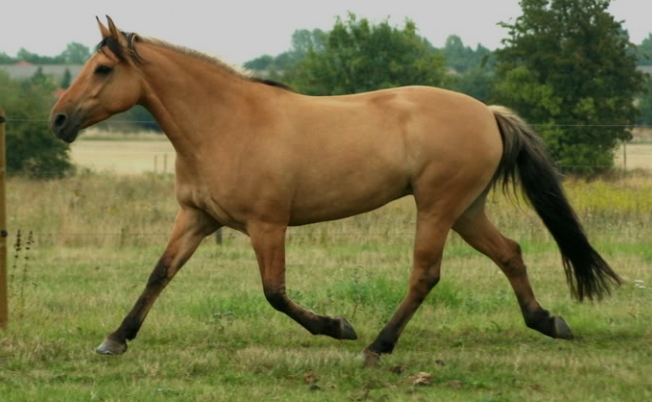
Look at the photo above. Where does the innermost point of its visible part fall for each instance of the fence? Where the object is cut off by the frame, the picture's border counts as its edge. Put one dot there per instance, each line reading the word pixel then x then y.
pixel 4 299
pixel 160 159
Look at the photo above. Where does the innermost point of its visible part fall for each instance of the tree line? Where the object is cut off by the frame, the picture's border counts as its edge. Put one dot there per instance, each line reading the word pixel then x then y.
pixel 75 53
pixel 567 67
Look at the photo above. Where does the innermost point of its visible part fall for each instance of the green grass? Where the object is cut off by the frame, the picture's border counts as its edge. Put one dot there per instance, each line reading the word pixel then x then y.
pixel 213 337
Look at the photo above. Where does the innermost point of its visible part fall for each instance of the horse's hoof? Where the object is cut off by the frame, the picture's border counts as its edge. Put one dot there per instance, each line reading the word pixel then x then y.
pixel 562 330
pixel 111 347
pixel 346 330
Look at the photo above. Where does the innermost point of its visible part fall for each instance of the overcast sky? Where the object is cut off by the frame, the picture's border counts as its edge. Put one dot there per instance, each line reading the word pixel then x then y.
pixel 240 30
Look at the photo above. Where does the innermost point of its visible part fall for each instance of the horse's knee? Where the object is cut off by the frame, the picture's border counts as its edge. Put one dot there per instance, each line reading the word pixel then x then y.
pixel 431 279
pixel 515 247
pixel 423 282
pixel 512 261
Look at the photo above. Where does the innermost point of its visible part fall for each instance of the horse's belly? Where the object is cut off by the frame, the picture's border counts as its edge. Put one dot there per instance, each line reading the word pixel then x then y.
pixel 345 199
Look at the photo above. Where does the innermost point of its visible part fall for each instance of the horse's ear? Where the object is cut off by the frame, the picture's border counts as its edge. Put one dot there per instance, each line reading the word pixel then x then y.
pixel 103 30
pixel 116 34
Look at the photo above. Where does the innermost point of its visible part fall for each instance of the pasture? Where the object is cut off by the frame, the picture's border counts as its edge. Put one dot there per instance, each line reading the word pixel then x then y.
pixel 88 243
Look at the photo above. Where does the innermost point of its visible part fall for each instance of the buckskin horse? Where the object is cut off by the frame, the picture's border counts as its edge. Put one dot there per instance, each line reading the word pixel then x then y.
pixel 257 157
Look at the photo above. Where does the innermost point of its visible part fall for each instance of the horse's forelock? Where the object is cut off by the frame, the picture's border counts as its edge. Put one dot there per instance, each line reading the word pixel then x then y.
pixel 119 50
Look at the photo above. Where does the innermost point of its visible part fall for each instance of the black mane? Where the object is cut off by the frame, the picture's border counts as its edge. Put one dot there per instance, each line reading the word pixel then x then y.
pixel 119 51
pixel 272 83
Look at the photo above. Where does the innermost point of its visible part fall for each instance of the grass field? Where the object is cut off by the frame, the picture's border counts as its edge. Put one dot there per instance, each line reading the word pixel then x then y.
pixel 88 243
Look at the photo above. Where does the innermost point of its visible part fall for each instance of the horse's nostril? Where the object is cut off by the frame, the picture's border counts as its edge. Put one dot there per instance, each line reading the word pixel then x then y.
pixel 60 120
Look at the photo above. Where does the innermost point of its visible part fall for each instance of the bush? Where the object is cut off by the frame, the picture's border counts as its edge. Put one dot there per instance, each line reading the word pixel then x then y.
pixel 31 148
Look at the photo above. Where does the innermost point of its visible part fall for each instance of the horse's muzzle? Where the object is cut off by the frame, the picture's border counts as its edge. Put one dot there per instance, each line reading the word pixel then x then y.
pixel 64 127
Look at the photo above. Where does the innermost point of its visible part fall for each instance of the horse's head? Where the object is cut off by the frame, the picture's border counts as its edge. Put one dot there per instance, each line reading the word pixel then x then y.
pixel 110 82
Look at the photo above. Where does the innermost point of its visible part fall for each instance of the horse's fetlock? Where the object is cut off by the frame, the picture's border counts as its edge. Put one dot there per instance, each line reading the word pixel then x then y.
pixel 276 299
pixel 383 348
pixel 130 327
pixel 539 320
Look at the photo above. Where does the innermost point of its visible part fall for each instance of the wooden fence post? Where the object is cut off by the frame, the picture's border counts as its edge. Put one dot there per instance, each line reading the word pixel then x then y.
pixel 625 156
pixel 4 298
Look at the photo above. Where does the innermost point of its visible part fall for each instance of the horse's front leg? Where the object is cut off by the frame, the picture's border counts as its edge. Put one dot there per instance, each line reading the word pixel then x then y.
pixel 190 227
pixel 268 241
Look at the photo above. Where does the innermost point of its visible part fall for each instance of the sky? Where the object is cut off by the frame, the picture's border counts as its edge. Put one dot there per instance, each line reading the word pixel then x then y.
pixel 241 30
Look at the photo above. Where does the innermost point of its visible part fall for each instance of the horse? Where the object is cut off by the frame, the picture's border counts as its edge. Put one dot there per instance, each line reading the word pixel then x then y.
pixel 258 157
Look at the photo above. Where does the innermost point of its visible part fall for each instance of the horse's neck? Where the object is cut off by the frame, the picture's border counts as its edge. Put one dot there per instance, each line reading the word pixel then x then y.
pixel 188 96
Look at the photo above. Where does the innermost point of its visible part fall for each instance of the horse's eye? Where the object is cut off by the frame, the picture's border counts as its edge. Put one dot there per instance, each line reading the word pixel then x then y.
pixel 103 70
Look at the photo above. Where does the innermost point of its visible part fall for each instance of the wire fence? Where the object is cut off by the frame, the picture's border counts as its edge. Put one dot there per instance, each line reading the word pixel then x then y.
pixel 163 161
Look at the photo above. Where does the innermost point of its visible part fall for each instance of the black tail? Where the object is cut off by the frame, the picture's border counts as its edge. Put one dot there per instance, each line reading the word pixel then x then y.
pixel 526 160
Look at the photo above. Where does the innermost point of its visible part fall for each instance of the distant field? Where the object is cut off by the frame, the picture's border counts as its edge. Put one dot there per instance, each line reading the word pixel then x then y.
pixel 135 154
pixel 124 156
pixel 638 156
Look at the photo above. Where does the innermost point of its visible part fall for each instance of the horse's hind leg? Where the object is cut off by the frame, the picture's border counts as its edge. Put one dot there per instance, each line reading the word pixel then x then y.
pixel 476 229
pixel 428 250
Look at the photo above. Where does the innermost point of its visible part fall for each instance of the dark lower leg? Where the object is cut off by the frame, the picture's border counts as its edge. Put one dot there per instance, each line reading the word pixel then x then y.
pixel 480 233
pixel 268 241
pixel 424 277
pixel 338 327
pixel 159 278
pixel 535 316
pixel 191 226
pixel 116 342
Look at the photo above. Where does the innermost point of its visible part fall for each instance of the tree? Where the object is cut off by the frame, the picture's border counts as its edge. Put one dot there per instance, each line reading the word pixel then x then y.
pixel 40 79
pixel 281 66
pixel 261 63
pixel 644 52
pixel 566 69
pixel 25 55
pixel 32 150
pixel 305 41
pixel 66 80
pixel 357 56
pixel 6 59
pixel 475 82
pixel 470 70
pixel 462 58
pixel 645 105
pixel 75 53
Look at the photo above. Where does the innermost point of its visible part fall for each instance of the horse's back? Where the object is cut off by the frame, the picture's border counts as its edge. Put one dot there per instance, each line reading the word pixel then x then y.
pixel 406 129
pixel 414 115
pixel 361 151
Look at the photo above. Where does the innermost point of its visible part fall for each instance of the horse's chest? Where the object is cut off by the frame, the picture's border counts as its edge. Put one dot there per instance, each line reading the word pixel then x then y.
pixel 212 201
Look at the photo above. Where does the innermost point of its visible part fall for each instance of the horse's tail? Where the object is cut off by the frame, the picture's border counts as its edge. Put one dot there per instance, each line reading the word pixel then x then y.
pixel 526 160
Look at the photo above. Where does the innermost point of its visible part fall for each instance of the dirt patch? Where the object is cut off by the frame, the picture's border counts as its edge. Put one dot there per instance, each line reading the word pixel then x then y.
pixel 642 134
pixel 634 156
